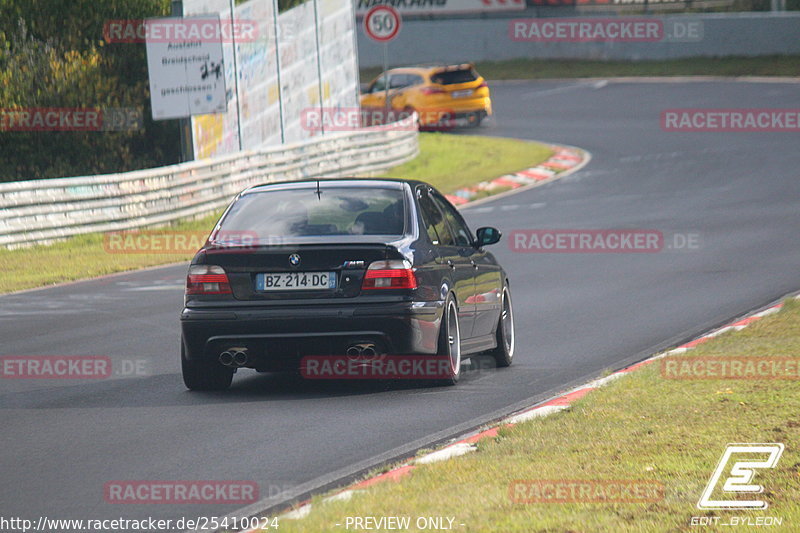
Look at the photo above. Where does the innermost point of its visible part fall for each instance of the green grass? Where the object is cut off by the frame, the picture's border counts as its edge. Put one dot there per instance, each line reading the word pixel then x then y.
pixel 446 161
pixel 452 161
pixel 84 256
pixel 641 427
pixel 519 69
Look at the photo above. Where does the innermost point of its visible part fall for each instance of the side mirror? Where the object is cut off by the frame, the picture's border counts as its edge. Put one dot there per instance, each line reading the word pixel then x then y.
pixel 487 235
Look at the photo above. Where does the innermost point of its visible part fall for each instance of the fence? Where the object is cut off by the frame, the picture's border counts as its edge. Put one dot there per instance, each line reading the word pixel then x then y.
pixel 685 35
pixel 40 211
pixel 302 58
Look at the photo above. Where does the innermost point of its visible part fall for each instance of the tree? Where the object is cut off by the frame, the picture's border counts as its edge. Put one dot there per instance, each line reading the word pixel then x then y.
pixel 52 54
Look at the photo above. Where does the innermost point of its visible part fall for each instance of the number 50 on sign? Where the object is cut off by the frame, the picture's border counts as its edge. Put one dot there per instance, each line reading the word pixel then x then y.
pixel 382 23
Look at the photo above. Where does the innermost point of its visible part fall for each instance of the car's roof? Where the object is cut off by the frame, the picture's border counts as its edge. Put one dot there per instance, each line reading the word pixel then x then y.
pixel 311 183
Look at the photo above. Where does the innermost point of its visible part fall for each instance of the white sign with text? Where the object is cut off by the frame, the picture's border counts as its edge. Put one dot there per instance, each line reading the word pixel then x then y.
pixel 187 74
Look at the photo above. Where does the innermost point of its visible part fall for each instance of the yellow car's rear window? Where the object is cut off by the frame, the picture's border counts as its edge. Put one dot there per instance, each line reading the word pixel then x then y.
pixel 450 77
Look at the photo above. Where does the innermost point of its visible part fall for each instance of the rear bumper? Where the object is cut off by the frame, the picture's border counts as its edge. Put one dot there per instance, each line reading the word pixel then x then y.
pixel 472 105
pixel 456 114
pixel 277 337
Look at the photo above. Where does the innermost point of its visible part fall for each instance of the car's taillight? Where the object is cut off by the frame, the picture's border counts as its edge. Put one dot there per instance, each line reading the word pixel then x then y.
pixel 207 279
pixel 432 90
pixel 483 84
pixel 391 274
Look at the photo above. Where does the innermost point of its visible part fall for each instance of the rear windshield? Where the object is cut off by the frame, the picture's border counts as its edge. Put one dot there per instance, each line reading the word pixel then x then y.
pixel 455 76
pixel 276 215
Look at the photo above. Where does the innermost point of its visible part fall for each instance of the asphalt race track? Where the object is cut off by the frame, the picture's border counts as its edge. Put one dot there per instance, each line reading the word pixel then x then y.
pixel 577 314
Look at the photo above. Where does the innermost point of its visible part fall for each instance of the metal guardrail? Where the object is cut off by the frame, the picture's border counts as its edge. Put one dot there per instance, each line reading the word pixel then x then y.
pixel 40 211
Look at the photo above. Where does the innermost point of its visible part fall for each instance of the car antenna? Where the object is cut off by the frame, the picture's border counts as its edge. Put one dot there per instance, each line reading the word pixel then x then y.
pixel 319 192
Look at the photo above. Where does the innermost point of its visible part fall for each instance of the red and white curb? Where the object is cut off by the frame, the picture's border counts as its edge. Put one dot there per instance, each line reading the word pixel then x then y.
pixel 564 159
pixel 554 405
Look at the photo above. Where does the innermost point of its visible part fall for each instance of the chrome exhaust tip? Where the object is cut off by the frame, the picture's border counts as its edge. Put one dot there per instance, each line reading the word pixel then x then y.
pixel 226 358
pixel 353 351
pixel 240 357
pixel 361 349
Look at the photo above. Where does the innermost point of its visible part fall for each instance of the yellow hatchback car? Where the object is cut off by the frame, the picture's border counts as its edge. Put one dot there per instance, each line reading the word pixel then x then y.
pixel 442 96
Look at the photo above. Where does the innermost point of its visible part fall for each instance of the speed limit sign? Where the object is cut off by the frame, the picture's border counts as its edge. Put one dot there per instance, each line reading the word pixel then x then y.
pixel 382 23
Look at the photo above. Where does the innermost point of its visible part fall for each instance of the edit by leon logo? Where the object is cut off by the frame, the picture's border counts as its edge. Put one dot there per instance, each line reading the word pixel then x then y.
pixel 740 476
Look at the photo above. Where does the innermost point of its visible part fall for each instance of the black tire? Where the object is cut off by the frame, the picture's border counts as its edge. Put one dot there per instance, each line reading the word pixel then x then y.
pixel 450 341
pixel 504 352
pixel 204 375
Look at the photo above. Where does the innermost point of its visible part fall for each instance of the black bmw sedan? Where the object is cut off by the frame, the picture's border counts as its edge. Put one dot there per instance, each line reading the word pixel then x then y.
pixel 342 267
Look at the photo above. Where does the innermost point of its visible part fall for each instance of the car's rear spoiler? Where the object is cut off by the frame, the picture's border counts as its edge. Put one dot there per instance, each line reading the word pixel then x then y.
pixel 451 68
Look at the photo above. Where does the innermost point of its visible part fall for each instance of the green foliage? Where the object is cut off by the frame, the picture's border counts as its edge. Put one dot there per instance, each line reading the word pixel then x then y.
pixel 285 5
pixel 52 54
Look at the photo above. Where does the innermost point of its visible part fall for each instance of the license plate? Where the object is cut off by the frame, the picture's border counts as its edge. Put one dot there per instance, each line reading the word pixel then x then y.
pixel 295 281
pixel 462 94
